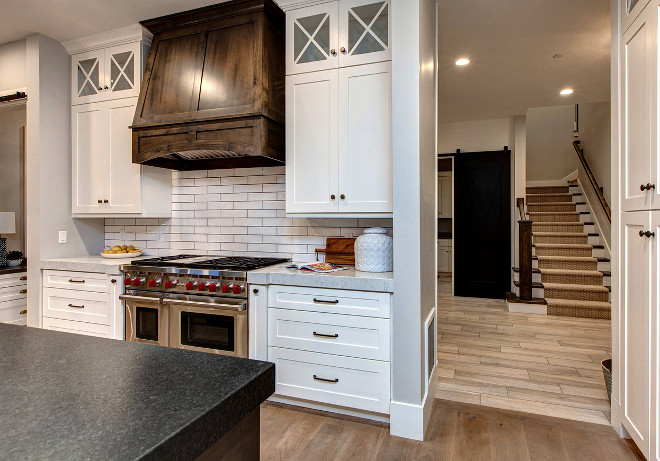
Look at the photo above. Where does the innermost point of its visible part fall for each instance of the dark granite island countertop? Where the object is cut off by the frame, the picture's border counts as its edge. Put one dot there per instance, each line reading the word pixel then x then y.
pixel 71 397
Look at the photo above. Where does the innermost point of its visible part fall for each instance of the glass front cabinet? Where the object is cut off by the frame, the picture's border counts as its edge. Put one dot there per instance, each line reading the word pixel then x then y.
pixel 109 73
pixel 338 34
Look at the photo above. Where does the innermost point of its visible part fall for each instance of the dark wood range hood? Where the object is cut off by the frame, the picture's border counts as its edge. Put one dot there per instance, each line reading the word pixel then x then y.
pixel 212 95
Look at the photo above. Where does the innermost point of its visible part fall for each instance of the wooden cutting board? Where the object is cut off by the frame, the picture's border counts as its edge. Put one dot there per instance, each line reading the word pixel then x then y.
pixel 339 250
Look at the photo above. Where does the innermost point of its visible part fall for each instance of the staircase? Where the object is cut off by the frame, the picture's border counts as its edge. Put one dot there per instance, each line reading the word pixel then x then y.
pixel 570 268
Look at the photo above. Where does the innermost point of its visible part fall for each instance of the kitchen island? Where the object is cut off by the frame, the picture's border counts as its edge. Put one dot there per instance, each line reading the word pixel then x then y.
pixel 67 396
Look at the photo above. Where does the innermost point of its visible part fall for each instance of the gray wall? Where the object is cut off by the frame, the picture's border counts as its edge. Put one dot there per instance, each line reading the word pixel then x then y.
pixel 12 66
pixel 550 153
pixel 12 184
pixel 594 120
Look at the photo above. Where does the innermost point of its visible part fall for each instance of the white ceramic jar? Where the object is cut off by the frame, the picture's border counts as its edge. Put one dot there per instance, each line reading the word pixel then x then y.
pixel 373 250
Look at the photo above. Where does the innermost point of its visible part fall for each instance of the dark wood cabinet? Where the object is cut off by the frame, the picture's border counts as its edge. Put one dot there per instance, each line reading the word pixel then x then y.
pixel 222 64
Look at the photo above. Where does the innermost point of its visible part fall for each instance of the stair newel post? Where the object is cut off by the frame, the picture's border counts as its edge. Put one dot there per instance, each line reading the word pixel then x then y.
pixel 525 256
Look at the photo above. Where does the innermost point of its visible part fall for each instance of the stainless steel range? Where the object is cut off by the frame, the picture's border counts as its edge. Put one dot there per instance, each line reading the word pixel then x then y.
pixel 190 302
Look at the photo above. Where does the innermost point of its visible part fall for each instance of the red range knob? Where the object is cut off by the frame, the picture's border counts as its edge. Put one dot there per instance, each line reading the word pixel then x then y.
pixel 128 281
pixel 137 282
pixel 190 286
pixel 213 287
pixel 152 283
pixel 237 289
pixel 225 288
pixel 168 284
pixel 202 287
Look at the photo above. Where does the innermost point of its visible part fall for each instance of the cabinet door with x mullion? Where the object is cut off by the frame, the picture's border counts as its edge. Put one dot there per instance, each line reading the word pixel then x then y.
pixel 123 71
pixel 88 75
pixel 311 39
pixel 365 32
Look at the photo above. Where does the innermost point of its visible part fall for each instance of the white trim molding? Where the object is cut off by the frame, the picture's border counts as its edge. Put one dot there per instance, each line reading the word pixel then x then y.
pixel 288 5
pixel 129 34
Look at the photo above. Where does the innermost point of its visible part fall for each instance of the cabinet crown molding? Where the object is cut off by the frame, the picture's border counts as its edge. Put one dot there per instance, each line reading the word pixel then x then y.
pixel 288 5
pixel 129 34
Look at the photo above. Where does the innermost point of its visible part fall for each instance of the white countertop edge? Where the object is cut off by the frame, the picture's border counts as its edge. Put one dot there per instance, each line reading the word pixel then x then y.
pixel 97 264
pixel 350 279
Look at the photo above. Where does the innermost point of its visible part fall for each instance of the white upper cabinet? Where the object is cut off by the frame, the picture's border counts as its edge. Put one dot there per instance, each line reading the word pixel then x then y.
pixel 639 144
pixel 629 10
pixel 338 34
pixel 106 77
pixel 445 191
pixel 105 74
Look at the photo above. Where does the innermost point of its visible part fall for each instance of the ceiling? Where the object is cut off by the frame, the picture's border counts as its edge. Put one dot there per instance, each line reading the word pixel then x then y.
pixel 511 44
pixel 68 19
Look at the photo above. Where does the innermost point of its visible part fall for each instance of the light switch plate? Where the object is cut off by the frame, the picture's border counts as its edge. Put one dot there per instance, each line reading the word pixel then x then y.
pixel 63 235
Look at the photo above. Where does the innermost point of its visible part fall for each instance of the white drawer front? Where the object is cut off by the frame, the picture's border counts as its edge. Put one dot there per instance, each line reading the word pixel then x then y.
pixel 80 306
pixel 13 280
pixel 367 304
pixel 12 293
pixel 81 281
pixel 14 312
pixel 81 328
pixel 353 336
pixel 344 381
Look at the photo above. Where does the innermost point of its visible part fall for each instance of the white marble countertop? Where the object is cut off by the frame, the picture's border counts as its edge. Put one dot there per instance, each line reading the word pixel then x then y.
pixel 349 279
pixel 87 264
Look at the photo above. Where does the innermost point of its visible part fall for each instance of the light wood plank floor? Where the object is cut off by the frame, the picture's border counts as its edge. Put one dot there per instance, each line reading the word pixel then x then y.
pixel 545 365
pixel 457 432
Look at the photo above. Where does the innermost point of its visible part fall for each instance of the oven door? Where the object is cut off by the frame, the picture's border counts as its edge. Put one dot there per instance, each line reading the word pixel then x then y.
pixel 209 327
pixel 146 320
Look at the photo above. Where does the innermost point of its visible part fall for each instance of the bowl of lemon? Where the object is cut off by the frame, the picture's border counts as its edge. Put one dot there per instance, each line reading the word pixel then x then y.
pixel 121 251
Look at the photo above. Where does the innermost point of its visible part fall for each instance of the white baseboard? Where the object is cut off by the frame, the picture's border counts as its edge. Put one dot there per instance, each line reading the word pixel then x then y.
pixel 409 420
pixel 383 418
pixel 615 420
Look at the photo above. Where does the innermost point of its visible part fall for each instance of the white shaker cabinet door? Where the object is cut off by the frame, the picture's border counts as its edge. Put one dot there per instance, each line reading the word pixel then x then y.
pixel 311 143
pixel 365 139
pixel 365 32
pixel 90 166
pixel 637 132
pixel 124 176
pixel 635 327
pixel 311 39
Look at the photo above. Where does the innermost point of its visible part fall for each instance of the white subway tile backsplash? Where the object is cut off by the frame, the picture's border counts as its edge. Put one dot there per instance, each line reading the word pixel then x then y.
pixel 235 212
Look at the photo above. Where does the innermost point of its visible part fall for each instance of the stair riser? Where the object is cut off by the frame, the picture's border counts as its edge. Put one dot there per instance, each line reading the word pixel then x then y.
pixel 577 239
pixel 584 252
pixel 554 217
pixel 554 207
pixel 576 295
pixel 566 265
pixel 578 313
pixel 537 277
pixel 547 190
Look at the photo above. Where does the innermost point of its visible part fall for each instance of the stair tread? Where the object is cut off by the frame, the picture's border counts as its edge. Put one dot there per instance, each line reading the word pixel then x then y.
pixel 564 245
pixel 534 284
pixel 544 285
pixel 600 259
pixel 566 271
pixel 560 234
pixel 576 303
pixel 570 286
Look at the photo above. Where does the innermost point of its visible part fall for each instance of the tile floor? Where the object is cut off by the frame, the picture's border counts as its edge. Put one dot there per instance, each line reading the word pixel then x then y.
pixel 545 365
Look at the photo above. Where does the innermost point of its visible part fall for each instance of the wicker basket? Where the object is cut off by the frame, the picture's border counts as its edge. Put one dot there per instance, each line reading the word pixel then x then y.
pixel 607 374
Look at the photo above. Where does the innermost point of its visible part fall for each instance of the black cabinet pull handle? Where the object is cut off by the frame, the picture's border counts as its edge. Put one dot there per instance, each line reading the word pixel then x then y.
pixel 334 381
pixel 76 281
pixel 321 335
pixel 323 301
pixel 23 278
pixel 82 306
pixel 647 234
pixel 23 291
pixel 23 312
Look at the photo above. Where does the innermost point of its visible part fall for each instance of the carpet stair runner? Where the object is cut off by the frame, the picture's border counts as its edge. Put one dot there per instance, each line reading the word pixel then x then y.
pixel 572 284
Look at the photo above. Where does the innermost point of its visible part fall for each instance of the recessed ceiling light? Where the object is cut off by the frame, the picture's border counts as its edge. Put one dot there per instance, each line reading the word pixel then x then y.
pixel 566 91
pixel 463 62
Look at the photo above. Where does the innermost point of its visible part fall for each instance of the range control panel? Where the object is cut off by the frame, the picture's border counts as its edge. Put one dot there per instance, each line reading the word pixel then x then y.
pixel 190 284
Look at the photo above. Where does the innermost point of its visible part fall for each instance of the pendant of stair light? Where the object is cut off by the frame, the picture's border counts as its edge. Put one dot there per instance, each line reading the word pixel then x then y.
pixel 566 91
pixel 463 62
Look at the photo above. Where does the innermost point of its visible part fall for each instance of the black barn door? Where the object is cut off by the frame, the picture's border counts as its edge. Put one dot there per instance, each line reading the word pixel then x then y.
pixel 482 224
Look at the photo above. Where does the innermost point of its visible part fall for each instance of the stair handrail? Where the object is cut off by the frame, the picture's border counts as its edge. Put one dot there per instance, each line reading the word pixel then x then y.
pixel 592 180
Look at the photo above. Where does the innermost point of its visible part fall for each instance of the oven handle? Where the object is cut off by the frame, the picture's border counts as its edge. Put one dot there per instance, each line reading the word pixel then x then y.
pixel 144 299
pixel 235 307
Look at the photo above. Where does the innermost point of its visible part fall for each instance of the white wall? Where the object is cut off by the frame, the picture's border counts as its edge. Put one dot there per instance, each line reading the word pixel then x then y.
pixel 12 66
pixel 595 139
pixel 12 132
pixel 48 68
pixel 550 153
pixel 475 136
pixel 415 164
pixel 234 212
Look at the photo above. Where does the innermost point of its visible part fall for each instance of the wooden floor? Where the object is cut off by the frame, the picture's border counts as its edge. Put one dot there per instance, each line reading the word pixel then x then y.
pixel 544 365
pixel 457 432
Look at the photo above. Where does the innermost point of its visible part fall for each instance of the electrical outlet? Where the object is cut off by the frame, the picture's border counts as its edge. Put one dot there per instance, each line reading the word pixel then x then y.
pixel 159 235
pixel 62 237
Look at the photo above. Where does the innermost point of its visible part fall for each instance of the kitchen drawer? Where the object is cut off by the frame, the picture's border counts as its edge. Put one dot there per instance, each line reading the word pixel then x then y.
pixel 353 336
pixel 367 304
pixel 81 328
pixel 444 243
pixel 80 306
pixel 331 379
pixel 80 281
pixel 13 280
pixel 14 312
pixel 11 293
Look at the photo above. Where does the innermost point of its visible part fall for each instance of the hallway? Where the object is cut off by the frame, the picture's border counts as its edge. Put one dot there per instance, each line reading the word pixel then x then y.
pixel 546 365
